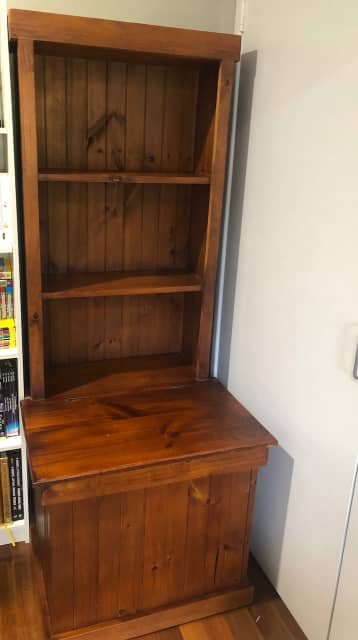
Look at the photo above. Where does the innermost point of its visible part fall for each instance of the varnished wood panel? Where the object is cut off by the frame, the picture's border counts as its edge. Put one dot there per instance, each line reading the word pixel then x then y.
pixel 59 567
pixel 141 563
pixel 93 285
pixel 115 116
pixel 218 167
pixel 26 82
pixel 106 377
pixel 72 30
pixel 164 618
pixel 167 473
pixel 122 118
pixel 128 177
pixel 86 436
pixel 123 328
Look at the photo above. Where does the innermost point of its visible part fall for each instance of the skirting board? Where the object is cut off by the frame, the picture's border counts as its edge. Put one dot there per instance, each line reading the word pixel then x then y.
pixel 163 618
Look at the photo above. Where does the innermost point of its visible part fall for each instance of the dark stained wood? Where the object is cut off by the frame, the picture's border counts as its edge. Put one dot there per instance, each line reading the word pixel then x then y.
pixel 132 549
pixel 139 117
pixel 96 211
pixel 68 439
pixel 113 376
pixel 129 177
pixel 62 609
pixel 162 619
pixel 109 515
pixel 146 567
pixel 26 81
pixel 164 546
pixel 72 30
pixel 223 105
pixel 82 558
pixel 89 285
pixel 197 469
pixel 77 200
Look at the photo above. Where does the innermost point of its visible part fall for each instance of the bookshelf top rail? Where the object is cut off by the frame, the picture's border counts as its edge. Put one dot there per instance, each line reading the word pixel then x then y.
pixel 125 36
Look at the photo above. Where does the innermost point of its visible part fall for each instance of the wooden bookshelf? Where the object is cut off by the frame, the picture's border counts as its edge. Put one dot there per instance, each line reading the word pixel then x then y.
pixel 104 284
pixel 144 468
pixel 128 177
pixel 20 529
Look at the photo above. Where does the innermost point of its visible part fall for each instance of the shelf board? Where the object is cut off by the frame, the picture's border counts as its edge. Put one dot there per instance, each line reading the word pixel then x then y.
pixel 130 177
pixel 18 530
pixel 3 131
pixel 8 353
pixel 8 444
pixel 116 283
pixel 14 525
pixel 103 377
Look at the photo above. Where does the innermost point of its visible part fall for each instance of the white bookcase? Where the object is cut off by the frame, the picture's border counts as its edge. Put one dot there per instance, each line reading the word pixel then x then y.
pixel 19 530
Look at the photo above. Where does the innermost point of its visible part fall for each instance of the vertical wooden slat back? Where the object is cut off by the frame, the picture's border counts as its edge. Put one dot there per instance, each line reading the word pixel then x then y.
pixel 218 166
pixel 26 80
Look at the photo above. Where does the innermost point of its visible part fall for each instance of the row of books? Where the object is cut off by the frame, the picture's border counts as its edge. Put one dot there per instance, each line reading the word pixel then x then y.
pixel 11 492
pixel 7 320
pixel 9 406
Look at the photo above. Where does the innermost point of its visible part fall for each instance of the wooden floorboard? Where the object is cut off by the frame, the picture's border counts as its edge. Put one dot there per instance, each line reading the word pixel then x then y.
pixel 23 608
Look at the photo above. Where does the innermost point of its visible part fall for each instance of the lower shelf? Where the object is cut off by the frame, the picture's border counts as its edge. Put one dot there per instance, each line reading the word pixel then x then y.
pixel 103 377
pixel 8 444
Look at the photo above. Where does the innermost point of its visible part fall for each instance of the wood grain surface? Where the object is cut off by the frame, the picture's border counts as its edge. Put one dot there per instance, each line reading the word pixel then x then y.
pixel 111 34
pixel 128 177
pixel 86 436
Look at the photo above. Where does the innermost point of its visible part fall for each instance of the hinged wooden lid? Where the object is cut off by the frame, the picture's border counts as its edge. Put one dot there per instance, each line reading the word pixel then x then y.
pixel 89 436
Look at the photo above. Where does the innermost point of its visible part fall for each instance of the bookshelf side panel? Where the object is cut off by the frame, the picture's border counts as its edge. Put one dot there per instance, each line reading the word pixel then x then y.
pixel 213 232
pixel 26 81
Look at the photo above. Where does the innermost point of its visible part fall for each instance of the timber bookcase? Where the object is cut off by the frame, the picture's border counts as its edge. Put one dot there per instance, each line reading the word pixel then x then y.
pixel 143 466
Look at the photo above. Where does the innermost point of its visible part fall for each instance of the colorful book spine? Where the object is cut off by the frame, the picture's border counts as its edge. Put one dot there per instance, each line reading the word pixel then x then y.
pixel 1 503
pixel 7 334
pixel 8 378
pixel 2 420
pixel 7 320
pixel 5 267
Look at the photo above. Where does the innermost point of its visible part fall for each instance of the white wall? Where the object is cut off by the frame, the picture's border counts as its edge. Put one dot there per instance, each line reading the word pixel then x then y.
pixel 209 15
pixel 288 353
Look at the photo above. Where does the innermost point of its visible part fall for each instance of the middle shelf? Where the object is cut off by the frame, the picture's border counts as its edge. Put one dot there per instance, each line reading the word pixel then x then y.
pixel 138 177
pixel 117 283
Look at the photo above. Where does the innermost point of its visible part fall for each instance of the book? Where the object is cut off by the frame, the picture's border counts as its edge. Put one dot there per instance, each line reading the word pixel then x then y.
pixel 7 333
pixel 2 416
pixel 6 239
pixel 5 488
pixel 19 487
pixel 15 477
pixel 7 320
pixel 9 398
pixel 5 267
pixel 1 507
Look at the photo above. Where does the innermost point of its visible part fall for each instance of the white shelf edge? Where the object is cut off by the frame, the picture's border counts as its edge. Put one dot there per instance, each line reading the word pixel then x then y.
pixel 9 353
pixel 6 249
pixel 11 443
pixel 14 525
pixel 3 131
pixel 18 530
